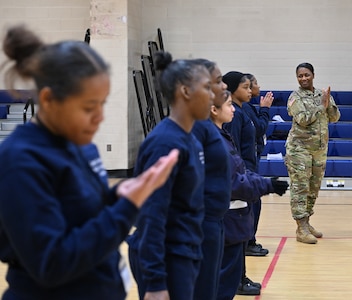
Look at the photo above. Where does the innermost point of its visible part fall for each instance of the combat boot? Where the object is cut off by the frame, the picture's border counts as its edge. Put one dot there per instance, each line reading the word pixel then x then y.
pixel 303 234
pixel 313 231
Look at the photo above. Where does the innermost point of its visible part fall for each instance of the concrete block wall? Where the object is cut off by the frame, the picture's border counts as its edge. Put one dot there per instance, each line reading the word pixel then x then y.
pixel 267 38
pixel 135 28
pixel 109 38
pixel 54 20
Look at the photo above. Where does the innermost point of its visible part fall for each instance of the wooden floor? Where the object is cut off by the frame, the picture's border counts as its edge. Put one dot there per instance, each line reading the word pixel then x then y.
pixel 294 270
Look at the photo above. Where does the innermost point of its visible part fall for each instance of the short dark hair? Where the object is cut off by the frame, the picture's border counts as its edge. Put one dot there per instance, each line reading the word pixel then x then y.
pixel 307 66
pixel 233 80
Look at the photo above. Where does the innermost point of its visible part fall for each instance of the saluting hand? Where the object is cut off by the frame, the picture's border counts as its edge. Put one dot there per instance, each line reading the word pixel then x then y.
pixel 138 189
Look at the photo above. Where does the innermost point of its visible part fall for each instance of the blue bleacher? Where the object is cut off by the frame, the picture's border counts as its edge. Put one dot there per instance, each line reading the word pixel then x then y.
pixel 342 97
pixel 334 168
pixel 339 163
pixel 280 97
pixel 341 130
pixel 5 97
pixel 19 96
pixel 4 110
pixel 346 113
pixel 336 147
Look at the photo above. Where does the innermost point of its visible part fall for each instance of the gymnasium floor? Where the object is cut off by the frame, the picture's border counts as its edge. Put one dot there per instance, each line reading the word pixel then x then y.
pixel 292 270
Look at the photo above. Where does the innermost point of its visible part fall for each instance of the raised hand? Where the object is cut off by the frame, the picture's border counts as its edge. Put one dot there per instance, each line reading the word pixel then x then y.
pixel 325 100
pixel 138 189
pixel 267 100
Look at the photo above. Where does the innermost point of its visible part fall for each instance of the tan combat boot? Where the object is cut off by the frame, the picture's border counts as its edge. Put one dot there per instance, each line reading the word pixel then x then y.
pixel 313 231
pixel 303 234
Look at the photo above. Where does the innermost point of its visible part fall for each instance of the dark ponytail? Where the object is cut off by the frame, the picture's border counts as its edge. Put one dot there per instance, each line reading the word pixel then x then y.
pixel 60 66
pixel 175 72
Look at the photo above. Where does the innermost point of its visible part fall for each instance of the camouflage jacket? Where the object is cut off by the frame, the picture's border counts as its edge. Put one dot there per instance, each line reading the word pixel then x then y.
pixel 310 119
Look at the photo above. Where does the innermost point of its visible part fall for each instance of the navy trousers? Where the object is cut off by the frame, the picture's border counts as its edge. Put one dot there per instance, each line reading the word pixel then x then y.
pixel 213 248
pixel 182 273
pixel 231 271
pixel 256 209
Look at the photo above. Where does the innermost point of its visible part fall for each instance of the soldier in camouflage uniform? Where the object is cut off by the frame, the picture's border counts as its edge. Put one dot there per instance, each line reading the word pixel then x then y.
pixel 306 148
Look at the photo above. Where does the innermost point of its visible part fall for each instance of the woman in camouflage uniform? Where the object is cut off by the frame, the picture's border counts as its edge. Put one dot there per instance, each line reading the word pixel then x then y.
pixel 306 148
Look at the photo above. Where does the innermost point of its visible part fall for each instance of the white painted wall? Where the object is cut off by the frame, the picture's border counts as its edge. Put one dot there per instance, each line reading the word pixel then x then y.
pixel 268 38
pixel 265 37
pixel 53 20
pixel 109 38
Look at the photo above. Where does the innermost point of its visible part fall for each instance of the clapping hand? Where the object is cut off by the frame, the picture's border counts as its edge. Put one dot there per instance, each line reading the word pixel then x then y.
pixel 325 100
pixel 267 100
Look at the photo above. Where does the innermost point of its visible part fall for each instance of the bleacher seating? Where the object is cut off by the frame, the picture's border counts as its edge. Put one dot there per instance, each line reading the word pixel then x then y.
pixel 17 96
pixel 345 110
pixel 12 107
pixel 336 130
pixel 152 105
pixel 336 147
pixel 335 167
pixel 4 110
pixel 280 97
pixel 339 163
pixel 146 108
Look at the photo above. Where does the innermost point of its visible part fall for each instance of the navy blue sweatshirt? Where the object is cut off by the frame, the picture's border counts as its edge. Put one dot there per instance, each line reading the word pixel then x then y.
pixel 243 133
pixel 217 170
pixel 60 224
pixel 260 120
pixel 171 219
pixel 246 185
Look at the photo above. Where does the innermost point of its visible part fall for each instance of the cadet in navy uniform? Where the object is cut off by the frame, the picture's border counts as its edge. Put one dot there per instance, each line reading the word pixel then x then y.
pixel 243 133
pixel 60 224
pixel 260 119
pixel 246 187
pixel 216 195
pixel 165 249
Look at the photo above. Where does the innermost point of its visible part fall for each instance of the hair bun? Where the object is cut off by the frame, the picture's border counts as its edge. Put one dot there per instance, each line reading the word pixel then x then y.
pixel 162 60
pixel 20 43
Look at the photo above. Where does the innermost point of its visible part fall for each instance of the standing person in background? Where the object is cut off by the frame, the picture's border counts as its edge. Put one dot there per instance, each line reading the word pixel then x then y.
pixel 60 224
pixel 260 120
pixel 165 249
pixel 306 148
pixel 246 187
pixel 243 133
pixel 216 192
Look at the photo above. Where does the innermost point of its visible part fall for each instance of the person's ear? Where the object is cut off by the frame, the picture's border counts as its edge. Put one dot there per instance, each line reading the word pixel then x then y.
pixel 45 97
pixel 214 110
pixel 185 92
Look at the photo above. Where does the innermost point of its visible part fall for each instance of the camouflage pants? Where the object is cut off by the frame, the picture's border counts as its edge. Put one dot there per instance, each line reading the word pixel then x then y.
pixel 306 170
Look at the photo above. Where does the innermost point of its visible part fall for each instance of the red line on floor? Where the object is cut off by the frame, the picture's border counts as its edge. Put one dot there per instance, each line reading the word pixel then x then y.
pixel 294 237
pixel 272 265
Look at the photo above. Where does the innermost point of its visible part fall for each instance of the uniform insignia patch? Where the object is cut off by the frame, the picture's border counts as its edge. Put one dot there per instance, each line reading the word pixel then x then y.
pixel 291 101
